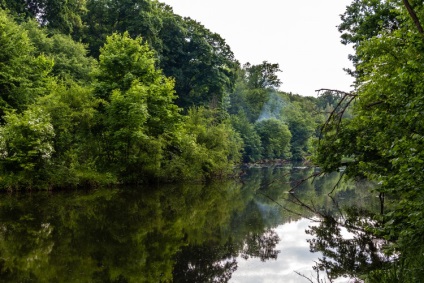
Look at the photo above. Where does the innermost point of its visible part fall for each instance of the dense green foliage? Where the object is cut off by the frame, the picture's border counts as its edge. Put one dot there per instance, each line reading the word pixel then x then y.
pixel 126 91
pixel 383 140
pixel 22 72
pixel 256 100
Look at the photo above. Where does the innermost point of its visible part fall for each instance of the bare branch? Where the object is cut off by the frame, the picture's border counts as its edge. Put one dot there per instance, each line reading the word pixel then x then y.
pixel 300 182
pixel 300 274
pixel 374 103
pixel 338 111
pixel 337 184
pixel 336 91
pixel 304 205
pixel 286 209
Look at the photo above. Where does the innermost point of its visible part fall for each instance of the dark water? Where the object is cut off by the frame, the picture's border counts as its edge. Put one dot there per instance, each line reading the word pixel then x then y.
pixel 250 231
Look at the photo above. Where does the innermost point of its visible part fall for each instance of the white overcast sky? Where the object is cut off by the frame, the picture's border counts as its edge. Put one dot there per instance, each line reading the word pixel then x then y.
pixel 301 36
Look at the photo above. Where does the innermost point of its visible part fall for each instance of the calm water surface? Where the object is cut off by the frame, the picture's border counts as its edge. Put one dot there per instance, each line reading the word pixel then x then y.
pixel 249 231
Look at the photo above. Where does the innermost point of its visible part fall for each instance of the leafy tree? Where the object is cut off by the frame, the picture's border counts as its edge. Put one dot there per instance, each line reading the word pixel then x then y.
pixel 302 127
pixel 22 8
pixel 125 62
pixel 138 106
pixel 205 71
pixel 26 146
pixel 249 101
pixel 126 142
pixel 327 101
pixel 263 75
pixel 70 58
pixel 186 50
pixel 217 146
pixel 250 95
pixel 254 87
pixel 23 75
pixel 137 17
pixel 73 109
pixel 255 98
pixel 252 149
pixel 275 137
pixel 64 16
pixel 364 19
pixel 122 61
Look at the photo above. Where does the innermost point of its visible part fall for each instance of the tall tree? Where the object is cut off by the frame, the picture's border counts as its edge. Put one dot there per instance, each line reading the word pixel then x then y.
pixel 263 75
pixel 137 17
pixel 275 137
pixel 70 57
pixel 364 19
pixel 201 62
pixel 251 139
pixel 203 65
pixel 138 106
pixel 255 86
pixel 64 16
pixel 26 148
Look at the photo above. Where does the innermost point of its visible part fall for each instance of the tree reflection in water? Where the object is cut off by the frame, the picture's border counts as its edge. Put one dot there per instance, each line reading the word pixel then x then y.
pixel 344 214
pixel 348 248
pixel 214 262
pixel 209 262
pixel 261 246
pixel 189 233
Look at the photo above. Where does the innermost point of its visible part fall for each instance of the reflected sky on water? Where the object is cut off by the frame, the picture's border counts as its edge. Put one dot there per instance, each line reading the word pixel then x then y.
pixel 294 256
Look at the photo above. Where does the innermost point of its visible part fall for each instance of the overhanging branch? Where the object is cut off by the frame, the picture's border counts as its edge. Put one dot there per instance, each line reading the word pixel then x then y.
pixel 346 98
pixel 413 16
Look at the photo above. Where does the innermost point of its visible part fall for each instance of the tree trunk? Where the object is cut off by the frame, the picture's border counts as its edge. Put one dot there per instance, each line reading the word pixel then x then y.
pixel 413 16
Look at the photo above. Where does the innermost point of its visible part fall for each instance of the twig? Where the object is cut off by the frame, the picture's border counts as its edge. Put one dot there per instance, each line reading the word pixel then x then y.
pixel 286 209
pixel 374 104
pixel 300 274
pixel 337 184
pixel 302 204
pixel 336 91
pixel 300 182
pixel 338 111
pixel 338 208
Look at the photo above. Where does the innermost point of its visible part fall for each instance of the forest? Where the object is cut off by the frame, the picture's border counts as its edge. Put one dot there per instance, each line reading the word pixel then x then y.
pixel 102 92
pixel 127 92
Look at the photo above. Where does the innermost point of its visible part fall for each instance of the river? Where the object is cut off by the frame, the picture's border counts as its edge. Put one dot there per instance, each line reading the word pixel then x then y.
pixel 248 230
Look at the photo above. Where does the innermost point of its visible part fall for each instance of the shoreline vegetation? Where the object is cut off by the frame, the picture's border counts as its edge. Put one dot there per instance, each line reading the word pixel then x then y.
pixel 95 93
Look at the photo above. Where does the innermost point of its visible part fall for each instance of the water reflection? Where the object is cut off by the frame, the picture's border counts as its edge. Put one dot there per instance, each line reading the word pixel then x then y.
pixel 294 256
pixel 348 248
pixel 342 248
pixel 342 237
pixel 186 233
